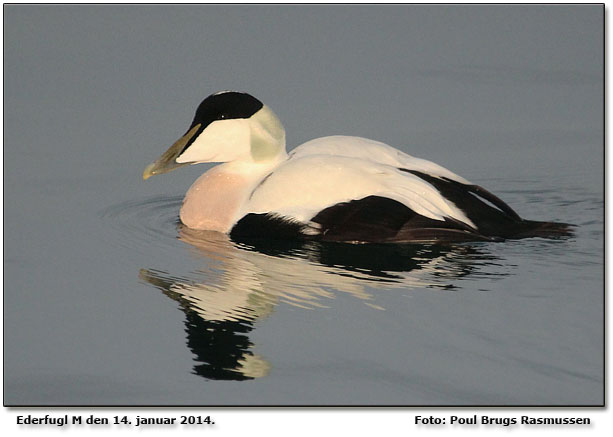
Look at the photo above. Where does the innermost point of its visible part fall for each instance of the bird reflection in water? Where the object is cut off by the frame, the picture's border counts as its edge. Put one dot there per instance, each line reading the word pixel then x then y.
pixel 242 282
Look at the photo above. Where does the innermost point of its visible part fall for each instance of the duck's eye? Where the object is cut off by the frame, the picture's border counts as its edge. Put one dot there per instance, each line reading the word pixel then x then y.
pixel 223 116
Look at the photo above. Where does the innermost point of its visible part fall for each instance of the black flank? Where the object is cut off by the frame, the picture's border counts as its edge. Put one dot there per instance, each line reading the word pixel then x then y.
pixel 266 226
pixel 379 219
pixel 376 219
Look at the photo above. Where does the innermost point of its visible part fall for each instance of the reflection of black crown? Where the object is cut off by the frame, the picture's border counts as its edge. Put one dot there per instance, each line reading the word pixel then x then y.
pixel 221 346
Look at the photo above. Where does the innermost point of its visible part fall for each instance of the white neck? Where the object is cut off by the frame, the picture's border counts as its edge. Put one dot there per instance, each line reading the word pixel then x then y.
pixel 267 136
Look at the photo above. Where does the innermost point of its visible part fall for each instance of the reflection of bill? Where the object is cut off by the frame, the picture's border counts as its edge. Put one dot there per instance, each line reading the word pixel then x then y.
pixel 242 282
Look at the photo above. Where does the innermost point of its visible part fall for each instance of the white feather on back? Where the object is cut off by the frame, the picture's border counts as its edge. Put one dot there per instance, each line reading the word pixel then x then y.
pixel 363 148
pixel 308 183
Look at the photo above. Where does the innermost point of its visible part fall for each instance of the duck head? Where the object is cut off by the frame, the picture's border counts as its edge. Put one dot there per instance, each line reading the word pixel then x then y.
pixel 228 126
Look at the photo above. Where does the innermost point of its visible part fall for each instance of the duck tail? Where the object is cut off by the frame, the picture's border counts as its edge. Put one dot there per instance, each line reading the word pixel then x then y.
pixel 532 228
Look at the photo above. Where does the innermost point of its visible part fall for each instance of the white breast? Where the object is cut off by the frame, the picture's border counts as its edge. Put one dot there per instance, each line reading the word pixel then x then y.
pixel 213 201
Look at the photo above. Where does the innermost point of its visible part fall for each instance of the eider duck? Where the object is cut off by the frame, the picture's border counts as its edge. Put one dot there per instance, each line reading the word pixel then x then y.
pixel 337 188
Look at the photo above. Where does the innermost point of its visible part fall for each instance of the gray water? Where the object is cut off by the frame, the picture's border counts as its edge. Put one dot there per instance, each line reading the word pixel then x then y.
pixel 109 301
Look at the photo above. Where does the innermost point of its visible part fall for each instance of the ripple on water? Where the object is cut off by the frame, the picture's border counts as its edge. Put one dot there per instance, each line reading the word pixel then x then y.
pixel 145 224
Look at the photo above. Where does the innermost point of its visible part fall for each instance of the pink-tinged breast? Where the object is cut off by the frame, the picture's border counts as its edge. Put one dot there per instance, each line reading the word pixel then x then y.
pixel 213 201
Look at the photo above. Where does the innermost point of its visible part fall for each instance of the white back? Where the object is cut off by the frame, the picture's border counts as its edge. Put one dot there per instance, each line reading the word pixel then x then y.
pixel 305 185
pixel 363 148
